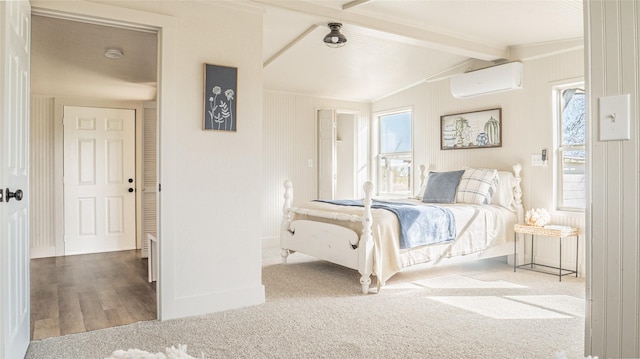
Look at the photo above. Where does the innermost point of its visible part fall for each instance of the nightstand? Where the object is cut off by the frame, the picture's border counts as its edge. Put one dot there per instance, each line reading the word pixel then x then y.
pixel 559 232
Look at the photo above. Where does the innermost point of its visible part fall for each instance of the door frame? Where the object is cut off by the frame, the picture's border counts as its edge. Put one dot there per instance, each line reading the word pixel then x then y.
pixel 166 28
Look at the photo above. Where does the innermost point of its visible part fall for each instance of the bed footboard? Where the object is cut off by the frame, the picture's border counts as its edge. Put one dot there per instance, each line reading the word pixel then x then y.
pixel 326 241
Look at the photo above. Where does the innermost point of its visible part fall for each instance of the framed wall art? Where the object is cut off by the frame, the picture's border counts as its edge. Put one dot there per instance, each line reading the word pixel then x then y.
pixel 479 129
pixel 220 98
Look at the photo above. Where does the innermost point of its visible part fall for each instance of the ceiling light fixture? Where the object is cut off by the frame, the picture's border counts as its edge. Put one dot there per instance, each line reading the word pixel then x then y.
pixel 335 38
pixel 113 54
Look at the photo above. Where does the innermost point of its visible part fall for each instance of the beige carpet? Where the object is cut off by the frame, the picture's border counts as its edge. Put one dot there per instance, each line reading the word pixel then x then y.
pixel 314 310
pixel 179 352
pixel 497 307
pixel 463 282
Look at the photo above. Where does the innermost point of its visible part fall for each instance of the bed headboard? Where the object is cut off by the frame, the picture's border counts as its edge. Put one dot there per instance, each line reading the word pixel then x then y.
pixel 516 190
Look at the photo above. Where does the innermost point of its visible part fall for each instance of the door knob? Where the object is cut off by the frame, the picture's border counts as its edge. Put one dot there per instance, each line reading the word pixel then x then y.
pixel 130 189
pixel 130 180
pixel 17 195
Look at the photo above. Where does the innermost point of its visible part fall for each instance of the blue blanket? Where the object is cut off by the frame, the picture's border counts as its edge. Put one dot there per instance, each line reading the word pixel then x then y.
pixel 419 225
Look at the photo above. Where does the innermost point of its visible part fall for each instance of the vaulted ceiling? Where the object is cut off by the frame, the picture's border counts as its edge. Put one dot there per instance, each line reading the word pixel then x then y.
pixel 396 44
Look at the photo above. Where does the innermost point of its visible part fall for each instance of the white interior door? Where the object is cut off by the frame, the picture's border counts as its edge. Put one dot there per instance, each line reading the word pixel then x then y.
pixel 99 179
pixel 15 18
pixel 326 154
pixel 346 156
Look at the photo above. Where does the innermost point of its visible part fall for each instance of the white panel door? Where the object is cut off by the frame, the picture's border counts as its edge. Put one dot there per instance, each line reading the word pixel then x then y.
pixel 99 179
pixel 15 18
pixel 326 154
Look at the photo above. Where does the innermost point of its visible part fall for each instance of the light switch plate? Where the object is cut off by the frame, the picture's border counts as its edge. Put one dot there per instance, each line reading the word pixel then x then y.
pixel 614 118
pixel 536 161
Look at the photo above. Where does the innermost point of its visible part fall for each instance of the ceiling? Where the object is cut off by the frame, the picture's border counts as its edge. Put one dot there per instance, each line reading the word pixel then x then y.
pixel 395 44
pixel 67 59
pixel 392 45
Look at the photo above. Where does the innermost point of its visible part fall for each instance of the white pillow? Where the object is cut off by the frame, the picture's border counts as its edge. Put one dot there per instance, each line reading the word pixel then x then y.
pixel 477 186
pixel 503 196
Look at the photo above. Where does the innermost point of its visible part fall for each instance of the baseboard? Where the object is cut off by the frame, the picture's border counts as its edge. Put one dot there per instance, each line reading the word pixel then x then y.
pixel 270 242
pixel 189 306
pixel 42 252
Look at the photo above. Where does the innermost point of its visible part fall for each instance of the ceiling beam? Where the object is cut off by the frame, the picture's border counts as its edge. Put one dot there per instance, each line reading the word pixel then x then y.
pixel 403 32
pixel 536 51
pixel 458 69
pixel 354 3
pixel 290 45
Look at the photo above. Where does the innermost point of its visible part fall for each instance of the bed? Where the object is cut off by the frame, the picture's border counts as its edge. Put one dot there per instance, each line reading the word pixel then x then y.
pixel 370 235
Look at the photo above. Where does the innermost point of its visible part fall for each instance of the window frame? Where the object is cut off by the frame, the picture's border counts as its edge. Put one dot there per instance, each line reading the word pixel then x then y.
pixel 378 155
pixel 560 149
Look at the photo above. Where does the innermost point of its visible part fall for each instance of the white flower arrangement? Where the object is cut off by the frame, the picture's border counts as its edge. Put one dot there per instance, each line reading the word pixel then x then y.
pixel 537 217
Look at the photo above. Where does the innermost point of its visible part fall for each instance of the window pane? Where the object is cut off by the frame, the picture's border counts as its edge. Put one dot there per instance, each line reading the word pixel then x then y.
pixel 573 179
pixel 571 182
pixel 395 132
pixel 395 174
pixel 573 117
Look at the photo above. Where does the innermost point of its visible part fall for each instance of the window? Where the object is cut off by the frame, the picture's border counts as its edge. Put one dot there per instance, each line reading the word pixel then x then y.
pixel 395 153
pixel 571 185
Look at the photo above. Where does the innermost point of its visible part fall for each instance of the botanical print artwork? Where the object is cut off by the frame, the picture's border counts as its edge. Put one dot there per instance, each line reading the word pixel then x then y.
pixel 480 129
pixel 220 115
pixel 220 98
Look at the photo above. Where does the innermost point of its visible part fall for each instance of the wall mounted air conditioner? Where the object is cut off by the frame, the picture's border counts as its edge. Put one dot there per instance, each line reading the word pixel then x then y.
pixel 492 79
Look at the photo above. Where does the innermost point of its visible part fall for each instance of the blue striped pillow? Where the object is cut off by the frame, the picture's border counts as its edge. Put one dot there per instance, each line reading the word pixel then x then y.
pixel 477 186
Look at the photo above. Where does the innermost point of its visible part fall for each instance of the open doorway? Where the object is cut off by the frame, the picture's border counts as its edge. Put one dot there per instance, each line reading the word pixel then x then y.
pixel 337 154
pixel 87 65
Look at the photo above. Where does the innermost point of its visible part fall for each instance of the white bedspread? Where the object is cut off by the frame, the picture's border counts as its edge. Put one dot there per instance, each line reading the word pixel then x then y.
pixel 477 226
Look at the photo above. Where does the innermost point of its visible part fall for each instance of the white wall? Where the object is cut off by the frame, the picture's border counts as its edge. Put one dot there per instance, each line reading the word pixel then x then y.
pixel 42 241
pixel 613 289
pixel 210 259
pixel 289 141
pixel 527 128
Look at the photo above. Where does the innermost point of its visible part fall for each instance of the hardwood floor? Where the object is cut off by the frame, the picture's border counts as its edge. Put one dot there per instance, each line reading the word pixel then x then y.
pixel 80 293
